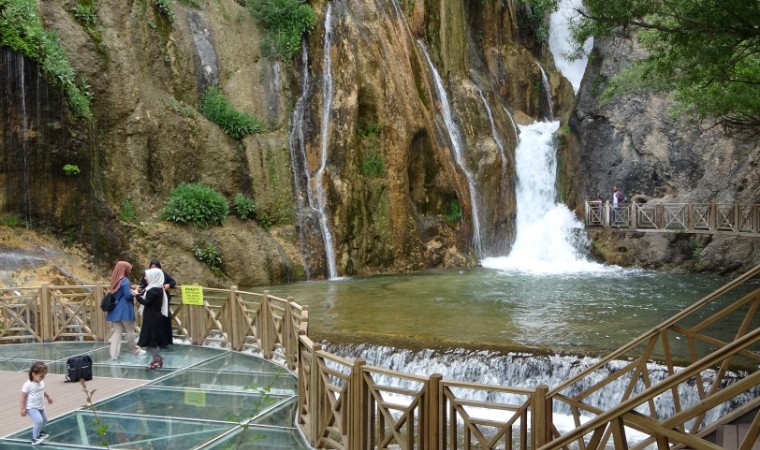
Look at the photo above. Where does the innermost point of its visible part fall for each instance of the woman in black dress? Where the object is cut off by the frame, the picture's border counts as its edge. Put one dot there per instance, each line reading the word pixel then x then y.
pixel 155 308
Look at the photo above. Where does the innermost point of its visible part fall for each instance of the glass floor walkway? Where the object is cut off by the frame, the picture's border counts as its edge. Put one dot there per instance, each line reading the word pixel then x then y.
pixel 203 398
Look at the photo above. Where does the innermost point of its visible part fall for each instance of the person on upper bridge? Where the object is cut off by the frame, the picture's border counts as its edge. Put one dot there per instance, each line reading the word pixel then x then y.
pixel 617 199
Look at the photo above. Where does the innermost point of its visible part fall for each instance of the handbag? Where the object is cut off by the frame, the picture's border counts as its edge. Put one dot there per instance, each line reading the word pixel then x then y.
pixel 108 303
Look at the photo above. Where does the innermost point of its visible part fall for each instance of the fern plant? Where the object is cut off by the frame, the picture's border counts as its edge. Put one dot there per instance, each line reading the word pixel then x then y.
pixel 216 108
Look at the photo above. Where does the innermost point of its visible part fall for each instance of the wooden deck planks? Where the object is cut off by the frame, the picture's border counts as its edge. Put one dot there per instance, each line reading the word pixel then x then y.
pixel 731 435
pixel 66 396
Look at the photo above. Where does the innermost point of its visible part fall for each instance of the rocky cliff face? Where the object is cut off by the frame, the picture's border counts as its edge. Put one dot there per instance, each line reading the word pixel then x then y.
pixel 633 142
pixel 384 109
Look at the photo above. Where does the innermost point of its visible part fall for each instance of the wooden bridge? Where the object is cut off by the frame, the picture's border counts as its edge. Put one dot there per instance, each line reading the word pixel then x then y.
pixel 707 218
pixel 350 405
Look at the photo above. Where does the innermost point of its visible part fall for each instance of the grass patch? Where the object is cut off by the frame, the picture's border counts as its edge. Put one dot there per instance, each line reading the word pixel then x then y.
pixel 21 30
pixel 285 21
pixel 455 213
pixel 216 108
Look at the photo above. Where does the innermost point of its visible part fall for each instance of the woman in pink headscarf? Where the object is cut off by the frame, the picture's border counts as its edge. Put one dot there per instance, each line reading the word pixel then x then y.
pixel 122 317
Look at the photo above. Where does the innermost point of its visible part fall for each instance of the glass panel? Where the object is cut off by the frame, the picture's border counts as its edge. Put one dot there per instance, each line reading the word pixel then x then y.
pixel 190 403
pixel 115 371
pixel 236 362
pixel 47 352
pixel 80 428
pixel 284 384
pixel 7 444
pixel 261 438
pixel 281 415
pixel 174 356
pixel 19 365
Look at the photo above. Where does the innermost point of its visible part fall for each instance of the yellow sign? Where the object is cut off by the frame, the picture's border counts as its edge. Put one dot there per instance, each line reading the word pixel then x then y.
pixel 195 398
pixel 192 295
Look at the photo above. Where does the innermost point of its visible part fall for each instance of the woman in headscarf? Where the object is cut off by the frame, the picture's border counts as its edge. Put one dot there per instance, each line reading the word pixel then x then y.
pixel 122 317
pixel 169 283
pixel 156 308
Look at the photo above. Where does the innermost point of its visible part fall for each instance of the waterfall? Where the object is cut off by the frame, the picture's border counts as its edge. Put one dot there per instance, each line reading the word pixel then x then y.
pixel 547 90
pixel 559 43
pixel 317 194
pixel 512 121
pixel 457 143
pixel 298 156
pixel 496 136
pixel 526 371
pixel 25 144
pixel 550 240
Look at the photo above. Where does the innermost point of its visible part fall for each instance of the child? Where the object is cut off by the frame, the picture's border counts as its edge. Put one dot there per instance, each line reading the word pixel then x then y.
pixel 32 403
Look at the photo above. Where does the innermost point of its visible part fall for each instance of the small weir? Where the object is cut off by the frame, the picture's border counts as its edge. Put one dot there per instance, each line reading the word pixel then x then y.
pixel 457 144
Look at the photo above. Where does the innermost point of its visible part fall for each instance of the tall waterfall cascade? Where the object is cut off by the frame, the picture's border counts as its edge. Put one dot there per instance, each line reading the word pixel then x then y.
pixel 559 42
pixel 457 143
pixel 550 240
pixel 317 194
pixel 496 136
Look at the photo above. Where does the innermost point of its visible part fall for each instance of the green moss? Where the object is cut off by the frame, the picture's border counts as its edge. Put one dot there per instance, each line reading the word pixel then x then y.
pixel 21 29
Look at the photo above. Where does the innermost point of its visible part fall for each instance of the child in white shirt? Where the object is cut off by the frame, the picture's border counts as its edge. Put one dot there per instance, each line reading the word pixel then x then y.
pixel 32 403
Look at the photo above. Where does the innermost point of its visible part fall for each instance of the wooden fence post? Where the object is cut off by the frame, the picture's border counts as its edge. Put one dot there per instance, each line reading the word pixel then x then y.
pixel 540 417
pixel 46 314
pixel 358 417
pixel 290 335
pixel 98 314
pixel 433 414
pixel 713 217
pixel 634 213
pixel 689 217
pixel 267 326
pixel 737 225
pixel 233 325
pixel 606 214
pixel 660 216
pixel 315 396
pixel 197 316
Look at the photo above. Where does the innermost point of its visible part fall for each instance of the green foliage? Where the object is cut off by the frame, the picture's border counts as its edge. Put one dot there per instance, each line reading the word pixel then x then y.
pixel 191 3
pixel 370 131
pixel 534 14
pixel 85 14
pixel 21 30
pixel 165 8
pixel 12 222
pixel 264 220
pixel 209 255
pixel 216 108
pixel 456 212
pixel 127 212
pixel 285 21
pixel 180 109
pixel 565 129
pixel 373 164
pixel 244 206
pixel 706 53
pixel 102 428
pixel 196 205
pixel 71 170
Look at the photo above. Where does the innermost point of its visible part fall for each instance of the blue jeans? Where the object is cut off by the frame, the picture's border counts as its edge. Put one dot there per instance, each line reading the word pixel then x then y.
pixel 40 420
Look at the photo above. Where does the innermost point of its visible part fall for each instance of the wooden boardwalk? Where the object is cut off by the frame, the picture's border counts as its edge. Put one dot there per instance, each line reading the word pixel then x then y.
pixel 67 397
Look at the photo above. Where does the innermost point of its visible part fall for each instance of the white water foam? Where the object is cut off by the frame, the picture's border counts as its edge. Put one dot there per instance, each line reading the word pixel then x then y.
pixel 559 42
pixel 550 240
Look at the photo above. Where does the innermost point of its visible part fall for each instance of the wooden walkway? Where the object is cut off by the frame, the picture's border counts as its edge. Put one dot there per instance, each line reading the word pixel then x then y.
pixel 67 397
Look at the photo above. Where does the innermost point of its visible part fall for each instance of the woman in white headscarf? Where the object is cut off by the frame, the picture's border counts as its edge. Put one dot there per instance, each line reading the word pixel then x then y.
pixel 155 308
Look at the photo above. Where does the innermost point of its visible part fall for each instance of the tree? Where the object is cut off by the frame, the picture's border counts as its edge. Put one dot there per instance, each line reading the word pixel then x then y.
pixel 707 52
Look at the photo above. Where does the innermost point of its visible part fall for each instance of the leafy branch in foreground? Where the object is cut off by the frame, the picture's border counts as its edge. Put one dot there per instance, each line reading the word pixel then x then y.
pixel 706 53
pixel 265 398
pixel 101 429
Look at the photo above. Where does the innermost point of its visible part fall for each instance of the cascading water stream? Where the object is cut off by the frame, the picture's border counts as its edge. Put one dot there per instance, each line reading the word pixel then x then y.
pixel 525 371
pixel 496 136
pixel 550 240
pixel 559 43
pixel 24 143
pixel 457 144
pixel 298 151
pixel 317 195
pixel 547 90
pixel 512 121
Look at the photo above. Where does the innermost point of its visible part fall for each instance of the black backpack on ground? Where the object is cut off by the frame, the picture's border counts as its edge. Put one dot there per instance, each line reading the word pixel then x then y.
pixel 79 368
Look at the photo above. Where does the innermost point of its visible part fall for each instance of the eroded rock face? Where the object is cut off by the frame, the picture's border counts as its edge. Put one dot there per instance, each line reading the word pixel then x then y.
pixel 633 142
pixel 147 136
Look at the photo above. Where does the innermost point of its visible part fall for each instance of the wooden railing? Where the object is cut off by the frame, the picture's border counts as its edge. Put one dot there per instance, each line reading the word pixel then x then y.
pixel 709 218
pixel 350 405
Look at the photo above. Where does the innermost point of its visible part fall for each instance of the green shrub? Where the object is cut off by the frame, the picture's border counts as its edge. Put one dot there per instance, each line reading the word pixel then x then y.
pixel 196 205
pixel 71 170
pixel 534 14
pixel 165 7
pixel 85 14
pixel 456 212
pixel 12 222
pixel 373 165
pixel 264 221
pixel 192 3
pixel 127 211
pixel 216 108
pixel 21 30
pixel 208 254
pixel 285 21
pixel 244 206
pixel 370 131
